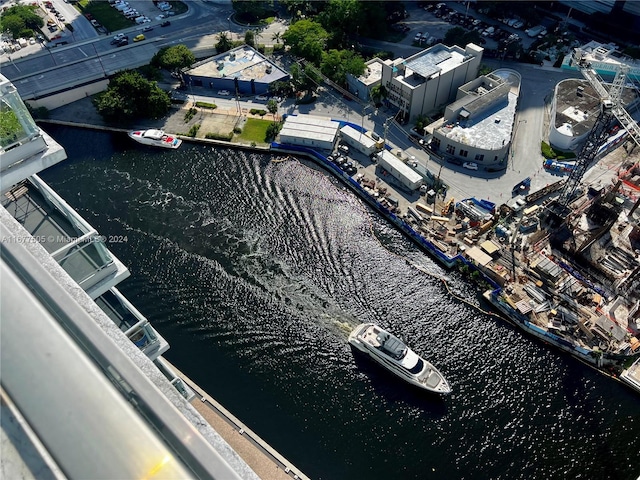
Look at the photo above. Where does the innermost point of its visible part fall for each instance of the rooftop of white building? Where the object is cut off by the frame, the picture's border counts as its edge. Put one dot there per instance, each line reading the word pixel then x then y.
pixel 491 128
pixel 436 60
pixel 309 126
pixel 372 73
pixel 578 105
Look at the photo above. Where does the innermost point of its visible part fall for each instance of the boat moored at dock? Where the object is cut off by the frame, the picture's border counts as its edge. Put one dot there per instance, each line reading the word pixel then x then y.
pixel 155 138
pixel 391 352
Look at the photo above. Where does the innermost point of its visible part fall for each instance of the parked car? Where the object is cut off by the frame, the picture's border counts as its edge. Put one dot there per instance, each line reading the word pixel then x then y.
pixel 518 24
pixel 148 28
pixel 139 38
pixel 262 98
pixel 166 23
pixel 224 93
pixel 470 165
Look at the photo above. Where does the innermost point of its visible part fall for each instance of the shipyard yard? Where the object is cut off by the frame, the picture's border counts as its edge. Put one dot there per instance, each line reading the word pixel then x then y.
pixel 581 297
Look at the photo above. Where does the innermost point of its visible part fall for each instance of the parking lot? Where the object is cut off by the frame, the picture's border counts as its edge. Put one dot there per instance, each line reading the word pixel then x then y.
pixel 432 23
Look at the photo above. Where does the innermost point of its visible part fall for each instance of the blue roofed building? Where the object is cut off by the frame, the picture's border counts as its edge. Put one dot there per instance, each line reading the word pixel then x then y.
pixel 241 70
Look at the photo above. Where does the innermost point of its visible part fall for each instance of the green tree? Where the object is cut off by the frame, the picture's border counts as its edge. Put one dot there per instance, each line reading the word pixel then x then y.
pixel 461 37
pixel 112 105
pixel 280 88
pixel 12 24
pixel 173 58
pixel 276 37
pixel 339 18
pixel 20 18
pixel 336 64
pixel 378 93
pixel 251 10
pixel 224 43
pixel 130 96
pixel 272 106
pixel 250 38
pixel 303 78
pixel 372 19
pixel 272 131
pixel 307 39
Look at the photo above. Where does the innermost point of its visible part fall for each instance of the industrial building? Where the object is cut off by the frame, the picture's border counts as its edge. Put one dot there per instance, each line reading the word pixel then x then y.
pixel 361 86
pixel 478 126
pixel 429 79
pixel 399 170
pixel 242 70
pixel 309 131
pixel 574 110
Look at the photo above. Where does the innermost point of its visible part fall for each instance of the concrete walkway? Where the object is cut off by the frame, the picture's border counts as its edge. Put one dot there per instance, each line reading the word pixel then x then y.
pixel 264 460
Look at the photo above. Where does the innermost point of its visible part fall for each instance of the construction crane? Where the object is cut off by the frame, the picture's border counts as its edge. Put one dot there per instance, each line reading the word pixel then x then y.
pixel 610 108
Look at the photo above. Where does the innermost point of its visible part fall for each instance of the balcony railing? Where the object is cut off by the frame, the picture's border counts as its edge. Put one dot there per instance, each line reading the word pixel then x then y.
pixel 132 323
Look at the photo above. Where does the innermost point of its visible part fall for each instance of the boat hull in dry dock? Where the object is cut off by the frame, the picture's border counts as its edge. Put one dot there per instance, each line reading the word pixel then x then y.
pixel 391 353
pixel 155 138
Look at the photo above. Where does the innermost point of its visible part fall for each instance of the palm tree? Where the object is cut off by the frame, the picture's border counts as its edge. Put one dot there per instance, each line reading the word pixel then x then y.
pixel 378 93
pixel 224 43
pixel 276 37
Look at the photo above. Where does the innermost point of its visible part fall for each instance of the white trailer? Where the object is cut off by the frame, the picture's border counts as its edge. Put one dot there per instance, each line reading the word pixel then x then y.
pixel 357 140
pixel 399 170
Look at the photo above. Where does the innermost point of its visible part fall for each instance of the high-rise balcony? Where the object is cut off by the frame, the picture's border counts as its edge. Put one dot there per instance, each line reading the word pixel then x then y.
pixel 69 239
pixel 134 325
pixel 24 148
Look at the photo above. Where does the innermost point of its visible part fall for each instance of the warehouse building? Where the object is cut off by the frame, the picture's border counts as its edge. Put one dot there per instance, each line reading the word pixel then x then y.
pixel 242 70
pixel 309 131
pixel 359 140
pixel 429 79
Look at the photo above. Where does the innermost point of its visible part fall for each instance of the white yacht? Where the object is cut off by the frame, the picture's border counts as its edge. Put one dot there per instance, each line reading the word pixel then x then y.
pixel 156 138
pixel 390 352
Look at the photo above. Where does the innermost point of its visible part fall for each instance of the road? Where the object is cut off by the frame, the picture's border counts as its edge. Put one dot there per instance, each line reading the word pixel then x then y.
pixel 37 70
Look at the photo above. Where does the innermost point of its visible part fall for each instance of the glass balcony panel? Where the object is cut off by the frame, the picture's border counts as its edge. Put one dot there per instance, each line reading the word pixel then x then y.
pixel 87 262
pixel 117 311
pixel 43 220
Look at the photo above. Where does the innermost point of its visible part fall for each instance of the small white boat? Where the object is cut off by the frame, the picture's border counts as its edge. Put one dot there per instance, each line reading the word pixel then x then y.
pixel 156 138
pixel 390 352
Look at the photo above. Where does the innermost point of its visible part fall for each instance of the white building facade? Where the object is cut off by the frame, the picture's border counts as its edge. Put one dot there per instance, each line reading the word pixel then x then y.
pixel 429 79
pixel 478 126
